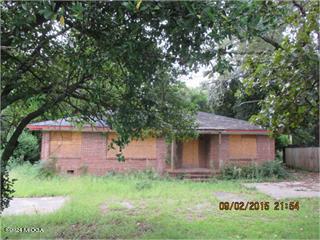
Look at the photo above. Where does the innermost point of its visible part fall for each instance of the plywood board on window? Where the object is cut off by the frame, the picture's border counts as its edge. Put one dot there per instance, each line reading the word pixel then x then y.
pixel 135 149
pixel 242 146
pixel 65 144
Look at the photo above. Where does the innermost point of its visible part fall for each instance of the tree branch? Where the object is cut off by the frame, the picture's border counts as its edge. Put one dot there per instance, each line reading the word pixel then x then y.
pixel 300 7
pixel 13 141
pixel 271 41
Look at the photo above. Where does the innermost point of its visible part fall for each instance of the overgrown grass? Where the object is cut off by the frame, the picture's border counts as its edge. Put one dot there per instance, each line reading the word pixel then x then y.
pixel 159 208
pixel 271 170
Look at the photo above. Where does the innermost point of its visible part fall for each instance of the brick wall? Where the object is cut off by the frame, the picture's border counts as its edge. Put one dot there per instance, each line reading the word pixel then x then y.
pixel 94 153
pixel 223 152
pixel 87 152
pixel 45 145
pixel 263 146
pixel 162 154
pixel 214 152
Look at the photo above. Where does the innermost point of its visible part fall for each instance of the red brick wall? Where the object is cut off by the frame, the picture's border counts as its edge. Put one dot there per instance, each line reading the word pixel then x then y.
pixel 45 145
pixel 223 150
pixel 214 152
pixel 264 151
pixel 161 152
pixel 94 152
pixel 265 148
pixel 92 156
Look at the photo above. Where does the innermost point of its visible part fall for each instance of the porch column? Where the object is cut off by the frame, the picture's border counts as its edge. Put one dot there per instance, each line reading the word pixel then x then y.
pixel 173 154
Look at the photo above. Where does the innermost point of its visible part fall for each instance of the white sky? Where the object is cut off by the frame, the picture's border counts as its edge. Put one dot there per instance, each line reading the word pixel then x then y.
pixel 194 78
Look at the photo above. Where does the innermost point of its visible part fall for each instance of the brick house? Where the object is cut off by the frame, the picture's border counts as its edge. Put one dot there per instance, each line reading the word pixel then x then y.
pixel 222 140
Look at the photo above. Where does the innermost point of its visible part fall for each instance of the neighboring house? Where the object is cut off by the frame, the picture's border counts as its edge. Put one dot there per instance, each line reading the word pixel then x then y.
pixel 221 141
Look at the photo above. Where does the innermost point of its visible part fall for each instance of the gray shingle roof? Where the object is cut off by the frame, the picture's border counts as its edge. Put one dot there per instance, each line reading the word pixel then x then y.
pixel 64 123
pixel 210 121
pixel 206 121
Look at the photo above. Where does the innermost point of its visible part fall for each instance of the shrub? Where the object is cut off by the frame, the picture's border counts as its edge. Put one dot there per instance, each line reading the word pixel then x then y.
pixel 26 151
pixel 48 168
pixel 274 169
pixel 282 141
pixel 270 169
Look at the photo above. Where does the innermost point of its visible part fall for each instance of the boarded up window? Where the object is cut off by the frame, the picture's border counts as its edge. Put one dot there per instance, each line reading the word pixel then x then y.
pixel 135 149
pixel 65 144
pixel 61 136
pixel 243 146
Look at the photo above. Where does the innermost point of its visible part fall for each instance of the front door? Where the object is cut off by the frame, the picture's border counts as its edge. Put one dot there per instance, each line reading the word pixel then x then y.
pixel 190 154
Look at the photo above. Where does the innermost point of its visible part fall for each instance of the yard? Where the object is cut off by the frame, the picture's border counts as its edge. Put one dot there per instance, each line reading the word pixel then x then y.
pixel 138 206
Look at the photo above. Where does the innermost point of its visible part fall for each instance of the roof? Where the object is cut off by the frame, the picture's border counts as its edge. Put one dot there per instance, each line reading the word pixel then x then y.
pixel 207 122
pixel 65 123
pixel 210 121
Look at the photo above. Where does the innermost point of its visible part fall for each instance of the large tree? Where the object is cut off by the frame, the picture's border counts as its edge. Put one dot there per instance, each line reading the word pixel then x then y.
pixel 274 77
pixel 114 61
pixel 289 75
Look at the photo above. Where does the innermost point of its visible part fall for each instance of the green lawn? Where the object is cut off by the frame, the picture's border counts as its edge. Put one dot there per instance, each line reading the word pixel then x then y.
pixel 158 209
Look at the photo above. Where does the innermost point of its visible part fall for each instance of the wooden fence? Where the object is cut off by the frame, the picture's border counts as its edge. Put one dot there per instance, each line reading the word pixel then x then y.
pixel 306 158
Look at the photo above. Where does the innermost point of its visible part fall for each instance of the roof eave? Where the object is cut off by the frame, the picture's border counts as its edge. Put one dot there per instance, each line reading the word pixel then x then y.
pixel 67 128
pixel 235 131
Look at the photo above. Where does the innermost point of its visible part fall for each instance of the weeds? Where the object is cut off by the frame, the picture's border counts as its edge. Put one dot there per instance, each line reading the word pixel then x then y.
pixel 270 169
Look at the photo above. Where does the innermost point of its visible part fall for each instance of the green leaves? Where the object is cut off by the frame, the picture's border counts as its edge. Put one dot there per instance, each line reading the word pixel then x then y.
pixel 47 12
pixel 289 77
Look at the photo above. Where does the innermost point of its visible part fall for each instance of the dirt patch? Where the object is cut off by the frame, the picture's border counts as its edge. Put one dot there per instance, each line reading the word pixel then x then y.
pixel 123 206
pixel 144 227
pixel 79 231
pixel 104 208
pixel 36 205
pixel 198 211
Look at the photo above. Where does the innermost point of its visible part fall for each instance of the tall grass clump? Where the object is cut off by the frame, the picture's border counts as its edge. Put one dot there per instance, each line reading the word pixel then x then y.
pixel 271 169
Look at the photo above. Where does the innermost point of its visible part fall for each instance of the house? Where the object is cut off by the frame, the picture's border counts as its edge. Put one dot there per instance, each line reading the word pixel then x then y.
pixel 222 140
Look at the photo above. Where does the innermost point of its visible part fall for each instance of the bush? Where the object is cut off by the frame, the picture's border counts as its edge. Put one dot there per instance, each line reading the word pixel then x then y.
pixel 48 168
pixel 282 141
pixel 273 169
pixel 270 169
pixel 26 151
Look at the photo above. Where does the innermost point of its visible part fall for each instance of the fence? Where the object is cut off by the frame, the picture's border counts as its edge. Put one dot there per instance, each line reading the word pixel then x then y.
pixel 306 158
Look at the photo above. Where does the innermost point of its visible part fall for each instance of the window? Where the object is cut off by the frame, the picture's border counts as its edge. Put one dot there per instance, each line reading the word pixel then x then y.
pixel 242 146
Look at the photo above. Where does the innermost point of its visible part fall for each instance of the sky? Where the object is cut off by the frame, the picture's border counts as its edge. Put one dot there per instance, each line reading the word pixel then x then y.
pixel 194 78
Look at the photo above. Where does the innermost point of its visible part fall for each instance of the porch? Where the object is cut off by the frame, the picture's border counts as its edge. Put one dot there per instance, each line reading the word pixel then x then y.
pixel 194 159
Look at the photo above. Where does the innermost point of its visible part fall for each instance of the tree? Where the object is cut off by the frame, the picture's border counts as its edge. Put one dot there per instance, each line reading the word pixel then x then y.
pixel 290 74
pixel 104 60
pixel 274 77
pixel 113 61
pixel 197 98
